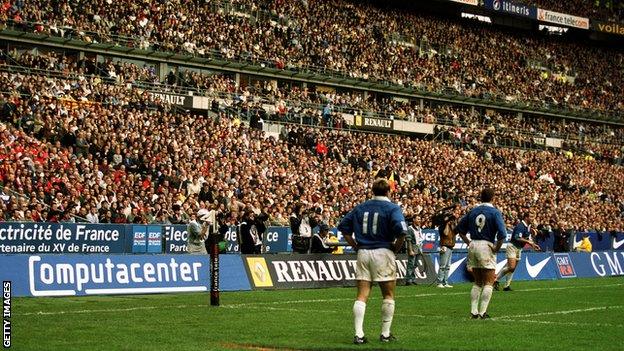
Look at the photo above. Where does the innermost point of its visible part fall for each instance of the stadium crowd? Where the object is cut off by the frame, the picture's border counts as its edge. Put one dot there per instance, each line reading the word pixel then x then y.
pixel 357 40
pixel 286 104
pixel 71 149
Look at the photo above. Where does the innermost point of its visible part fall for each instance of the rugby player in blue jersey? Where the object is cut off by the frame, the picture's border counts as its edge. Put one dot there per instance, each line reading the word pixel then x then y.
pixel 520 236
pixel 487 231
pixel 376 229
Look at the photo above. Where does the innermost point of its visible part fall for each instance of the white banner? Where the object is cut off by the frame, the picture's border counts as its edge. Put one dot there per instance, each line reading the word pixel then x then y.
pixel 563 19
pixel 468 2
pixel 554 142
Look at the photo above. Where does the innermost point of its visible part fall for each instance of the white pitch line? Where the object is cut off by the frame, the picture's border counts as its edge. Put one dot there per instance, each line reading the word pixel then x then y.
pixel 559 323
pixel 283 309
pixel 580 310
pixel 415 295
pixel 292 302
pixel 572 287
pixel 514 318
pixel 268 303
pixel 105 310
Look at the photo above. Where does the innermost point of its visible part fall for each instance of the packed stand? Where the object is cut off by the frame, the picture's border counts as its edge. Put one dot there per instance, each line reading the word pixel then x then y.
pixel 310 106
pixel 74 149
pixel 359 40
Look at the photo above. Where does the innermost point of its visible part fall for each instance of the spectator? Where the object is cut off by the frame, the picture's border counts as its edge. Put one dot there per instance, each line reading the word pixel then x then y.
pixel 320 239
pixel 92 216
pixel 585 245
pixel 252 229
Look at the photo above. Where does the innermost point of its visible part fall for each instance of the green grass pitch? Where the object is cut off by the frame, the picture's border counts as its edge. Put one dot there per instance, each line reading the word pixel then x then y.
pixel 579 314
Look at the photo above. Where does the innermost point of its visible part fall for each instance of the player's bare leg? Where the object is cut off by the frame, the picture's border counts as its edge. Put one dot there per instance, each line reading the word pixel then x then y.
pixel 511 268
pixel 506 272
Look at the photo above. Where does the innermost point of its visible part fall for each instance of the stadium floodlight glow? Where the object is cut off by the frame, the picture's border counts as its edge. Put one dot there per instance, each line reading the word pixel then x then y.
pixel 553 29
pixel 476 17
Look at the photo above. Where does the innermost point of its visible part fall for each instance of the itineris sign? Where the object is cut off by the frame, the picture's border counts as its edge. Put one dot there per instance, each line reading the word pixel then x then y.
pixel 562 19
pixel 511 8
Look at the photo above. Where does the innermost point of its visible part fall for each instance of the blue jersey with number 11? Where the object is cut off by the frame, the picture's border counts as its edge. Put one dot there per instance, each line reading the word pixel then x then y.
pixel 376 223
pixel 483 222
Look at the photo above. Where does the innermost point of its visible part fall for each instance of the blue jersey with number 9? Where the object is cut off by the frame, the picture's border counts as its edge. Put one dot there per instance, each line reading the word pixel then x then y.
pixel 376 223
pixel 483 222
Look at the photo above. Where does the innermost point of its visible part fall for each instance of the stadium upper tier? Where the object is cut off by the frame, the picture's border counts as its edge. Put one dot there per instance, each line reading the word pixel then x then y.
pixel 356 40
pixel 123 155
pixel 288 104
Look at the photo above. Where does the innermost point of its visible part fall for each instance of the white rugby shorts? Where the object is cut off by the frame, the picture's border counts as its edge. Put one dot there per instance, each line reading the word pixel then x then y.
pixel 513 252
pixel 481 255
pixel 375 265
pixel 196 249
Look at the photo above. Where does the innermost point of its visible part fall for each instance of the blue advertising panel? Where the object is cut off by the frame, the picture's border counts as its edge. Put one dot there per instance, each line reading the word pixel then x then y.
pixel 431 243
pixel 599 241
pixel 532 266
pixel 154 239
pixel 68 275
pixel 276 239
pixel 618 242
pixel 30 237
pixel 176 237
pixel 339 236
pixel 512 8
pixel 536 266
pixel 457 270
pixel 231 237
pixel 598 264
pixel 461 246
pixel 139 239
pixel 546 242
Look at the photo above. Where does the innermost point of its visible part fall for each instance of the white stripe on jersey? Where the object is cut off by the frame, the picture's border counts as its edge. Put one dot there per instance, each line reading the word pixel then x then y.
pixel 375 218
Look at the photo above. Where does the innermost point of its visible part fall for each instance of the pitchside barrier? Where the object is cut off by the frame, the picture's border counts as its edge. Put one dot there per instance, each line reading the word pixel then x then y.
pixel 320 270
pixel 74 275
pixel 61 238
